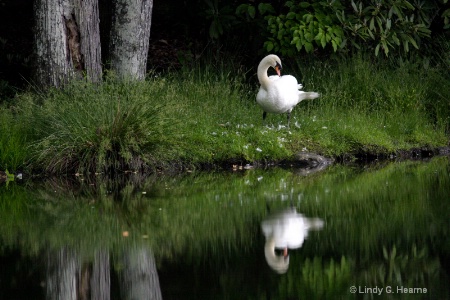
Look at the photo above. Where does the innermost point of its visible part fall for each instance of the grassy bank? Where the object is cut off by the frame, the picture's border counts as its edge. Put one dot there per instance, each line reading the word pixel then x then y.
pixel 209 115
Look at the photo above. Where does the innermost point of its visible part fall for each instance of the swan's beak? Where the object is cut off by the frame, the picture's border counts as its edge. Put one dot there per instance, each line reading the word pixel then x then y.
pixel 278 69
pixel 285 252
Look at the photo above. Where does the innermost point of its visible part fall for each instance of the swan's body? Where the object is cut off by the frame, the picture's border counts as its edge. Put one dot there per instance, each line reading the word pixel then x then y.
pixel 286 230
pixel 279 94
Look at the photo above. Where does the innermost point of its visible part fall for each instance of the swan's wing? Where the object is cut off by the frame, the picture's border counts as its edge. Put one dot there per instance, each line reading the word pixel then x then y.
pixel 289 80
pixel 274 77
pixel 262 95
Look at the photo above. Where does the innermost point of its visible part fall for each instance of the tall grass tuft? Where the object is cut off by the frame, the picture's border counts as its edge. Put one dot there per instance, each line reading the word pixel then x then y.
pixel 114 125
pixel 13 142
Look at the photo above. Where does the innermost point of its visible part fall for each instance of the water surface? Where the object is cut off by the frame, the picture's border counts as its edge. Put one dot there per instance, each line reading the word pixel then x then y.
pixel 371 232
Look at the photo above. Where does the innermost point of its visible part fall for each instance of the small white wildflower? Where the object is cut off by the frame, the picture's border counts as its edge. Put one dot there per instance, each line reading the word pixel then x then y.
pixel 246 146
pixel 324 127
pixel 260 178
pixel 296 124
pixel 304 149
pixel 314 118
pixel 258 149
pixel 214 133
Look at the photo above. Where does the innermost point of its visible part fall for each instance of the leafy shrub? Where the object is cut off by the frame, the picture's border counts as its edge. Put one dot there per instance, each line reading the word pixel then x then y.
pixel 386 26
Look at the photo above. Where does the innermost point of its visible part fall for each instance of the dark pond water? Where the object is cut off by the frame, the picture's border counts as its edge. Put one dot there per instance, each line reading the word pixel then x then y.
pixel 346 232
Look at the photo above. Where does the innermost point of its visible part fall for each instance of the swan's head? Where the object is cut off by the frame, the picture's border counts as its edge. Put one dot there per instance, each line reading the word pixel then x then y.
pixel 273 61
pixel 278 263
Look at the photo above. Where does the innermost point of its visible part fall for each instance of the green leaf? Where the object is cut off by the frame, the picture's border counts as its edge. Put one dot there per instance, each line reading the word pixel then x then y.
pixel 396 39
pixel 251 11
pixel 408 5
pixel 291 15
pixel 269 46
pixel 335 45
pixel 265 7
pixel 319 36
pixel 304 4
pixel 406 46
pixel 391 12
pixel 413 42
pixel 354 6
pixel 241 9
pixel 377 49
pixel 9 176
pixel 385 47
pixel 372 23
pixel 309 47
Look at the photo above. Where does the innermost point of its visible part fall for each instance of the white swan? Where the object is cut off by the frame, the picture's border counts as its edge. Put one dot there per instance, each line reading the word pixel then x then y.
pixel 279 94
pixel 286 230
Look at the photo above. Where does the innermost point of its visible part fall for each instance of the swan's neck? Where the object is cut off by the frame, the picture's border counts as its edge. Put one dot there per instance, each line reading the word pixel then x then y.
pixel 278 263
pixel 262 74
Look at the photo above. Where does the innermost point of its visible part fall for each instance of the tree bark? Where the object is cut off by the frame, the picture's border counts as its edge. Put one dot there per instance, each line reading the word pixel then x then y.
pixel 62 267
pixel 130 34
pixel 100 280
pixel 87 14
pixel 53 66
pixel 139 277
pixel 67 41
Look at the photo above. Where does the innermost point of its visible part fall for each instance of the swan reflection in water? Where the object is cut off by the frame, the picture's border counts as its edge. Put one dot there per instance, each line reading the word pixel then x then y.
pixel 285 230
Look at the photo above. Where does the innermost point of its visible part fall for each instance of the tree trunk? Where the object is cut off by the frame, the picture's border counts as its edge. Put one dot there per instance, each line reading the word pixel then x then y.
pixel 100 280
pixel 61 275
pixel 53 66
pixel 67 41
pixel 139 276
pixel 87 15
pixel 130 34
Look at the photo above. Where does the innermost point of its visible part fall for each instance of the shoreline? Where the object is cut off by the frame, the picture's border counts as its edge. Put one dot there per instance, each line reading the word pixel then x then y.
pixel 302 160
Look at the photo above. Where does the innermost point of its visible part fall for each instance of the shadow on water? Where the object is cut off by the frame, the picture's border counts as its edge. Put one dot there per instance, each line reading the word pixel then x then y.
pixel 343 232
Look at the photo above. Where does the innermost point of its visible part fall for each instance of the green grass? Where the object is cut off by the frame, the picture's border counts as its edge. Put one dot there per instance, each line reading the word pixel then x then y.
pixel 208 114
pixel 13 142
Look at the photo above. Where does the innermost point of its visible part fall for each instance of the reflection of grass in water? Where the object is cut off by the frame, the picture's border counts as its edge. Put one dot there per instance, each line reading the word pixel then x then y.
pixel 216 216
pixel 367 205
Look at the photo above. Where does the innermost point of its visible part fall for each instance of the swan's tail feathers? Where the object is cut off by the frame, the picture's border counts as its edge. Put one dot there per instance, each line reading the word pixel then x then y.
pixel 307 95
pixel 299 86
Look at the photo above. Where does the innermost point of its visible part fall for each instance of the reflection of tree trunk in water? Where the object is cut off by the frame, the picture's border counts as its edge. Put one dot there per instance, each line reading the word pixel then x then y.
pixel 100 279
pixel 62 275
pixel 139 277
pixel 67 281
